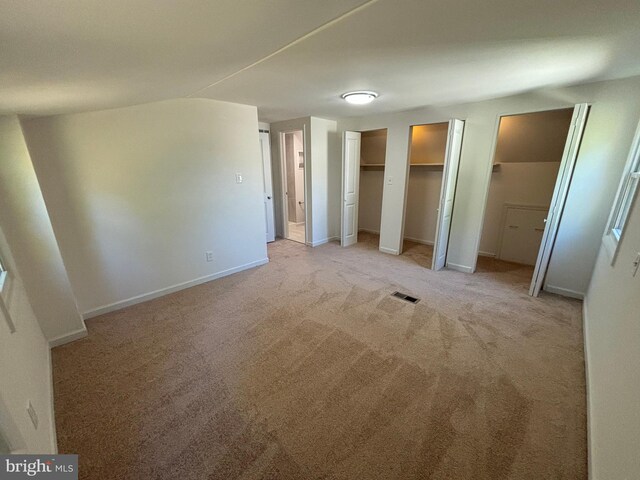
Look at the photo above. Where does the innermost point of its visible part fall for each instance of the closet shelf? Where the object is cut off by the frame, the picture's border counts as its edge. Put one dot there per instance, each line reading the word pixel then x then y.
pixel 427 165
pixel 366 165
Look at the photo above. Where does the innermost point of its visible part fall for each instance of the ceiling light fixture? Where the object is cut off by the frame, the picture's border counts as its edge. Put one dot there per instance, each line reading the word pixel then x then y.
pixel 361 97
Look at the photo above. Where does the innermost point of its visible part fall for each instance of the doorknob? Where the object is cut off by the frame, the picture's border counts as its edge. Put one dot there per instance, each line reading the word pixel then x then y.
pixel 268 198
pixel 545 220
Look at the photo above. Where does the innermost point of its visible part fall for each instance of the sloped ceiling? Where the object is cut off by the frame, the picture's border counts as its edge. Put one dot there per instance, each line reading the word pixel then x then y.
pixel 295 57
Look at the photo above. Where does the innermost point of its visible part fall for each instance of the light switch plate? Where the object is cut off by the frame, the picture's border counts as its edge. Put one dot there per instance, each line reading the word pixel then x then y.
pixel 239 178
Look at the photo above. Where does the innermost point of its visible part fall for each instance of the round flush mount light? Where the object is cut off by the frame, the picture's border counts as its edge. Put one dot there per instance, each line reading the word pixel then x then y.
pixel 361 97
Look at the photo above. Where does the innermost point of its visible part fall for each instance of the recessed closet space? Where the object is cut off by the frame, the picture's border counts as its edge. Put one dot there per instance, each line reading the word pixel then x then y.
pixel 427 149
pixel 373 149
pixel 529 149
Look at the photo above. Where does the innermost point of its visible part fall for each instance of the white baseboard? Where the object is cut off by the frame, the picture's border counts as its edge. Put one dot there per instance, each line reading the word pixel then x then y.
pixel 366 230
pixel 487 254
pixel 68 337
pixel 565 292
pixel 585 337
pixel 322 242
pixel 165 291
pixel 419 240
pixel 459 268
pixel 392 251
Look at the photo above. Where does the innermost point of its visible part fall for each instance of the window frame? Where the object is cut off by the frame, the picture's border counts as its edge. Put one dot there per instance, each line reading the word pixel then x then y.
pixel 625 199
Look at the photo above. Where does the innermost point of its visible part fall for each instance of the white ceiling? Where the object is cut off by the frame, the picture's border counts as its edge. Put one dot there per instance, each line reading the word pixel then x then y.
pixel 295 57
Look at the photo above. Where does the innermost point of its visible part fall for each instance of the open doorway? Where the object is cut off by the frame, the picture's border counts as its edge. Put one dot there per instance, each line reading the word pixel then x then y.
pixel 373 151
pixel 427 148
pixel 293 179
pixel 533 163
pixel 434 153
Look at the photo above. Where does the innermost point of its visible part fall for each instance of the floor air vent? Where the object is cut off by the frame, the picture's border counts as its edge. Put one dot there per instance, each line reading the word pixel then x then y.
pixel 405 297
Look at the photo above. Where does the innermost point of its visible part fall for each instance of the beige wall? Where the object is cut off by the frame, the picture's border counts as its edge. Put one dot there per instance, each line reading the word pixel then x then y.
pixel 26 223
pixel 370 199
pixel 614 112
pixel 534 137
pixel 25 369
pixel 373 150
pixel 137 196
pixel 428 143
pixel 519 183
pixel 373 147
pixel 612 347
pixel 423 197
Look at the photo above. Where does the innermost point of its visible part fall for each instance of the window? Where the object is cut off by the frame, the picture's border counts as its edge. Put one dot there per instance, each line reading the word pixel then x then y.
pixel 625 197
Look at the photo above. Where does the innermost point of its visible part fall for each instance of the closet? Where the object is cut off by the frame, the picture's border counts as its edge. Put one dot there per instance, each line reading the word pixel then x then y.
pixel 427 150
pixel 529 149
pixel 373 148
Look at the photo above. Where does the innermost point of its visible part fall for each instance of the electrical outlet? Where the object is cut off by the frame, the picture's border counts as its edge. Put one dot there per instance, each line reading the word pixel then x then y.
pixel 33 415
pixel 209 256
pixel 389 180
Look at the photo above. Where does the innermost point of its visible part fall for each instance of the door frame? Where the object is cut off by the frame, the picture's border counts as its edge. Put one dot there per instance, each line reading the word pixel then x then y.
pixel 449 122
pixel 560 194
pixel 489 167
pixel 283 182
pixel 264 134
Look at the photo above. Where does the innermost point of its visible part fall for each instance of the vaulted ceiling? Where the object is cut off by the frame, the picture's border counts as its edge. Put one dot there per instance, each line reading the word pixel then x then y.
pixel 295 57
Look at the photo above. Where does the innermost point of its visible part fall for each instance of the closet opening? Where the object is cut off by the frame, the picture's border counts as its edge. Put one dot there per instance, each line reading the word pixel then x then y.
pixel 434 157
pixel 293 179
pixel 533 162
pixel 373 152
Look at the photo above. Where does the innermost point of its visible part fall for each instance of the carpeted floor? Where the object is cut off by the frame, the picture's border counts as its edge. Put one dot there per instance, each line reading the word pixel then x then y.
pixel 306 368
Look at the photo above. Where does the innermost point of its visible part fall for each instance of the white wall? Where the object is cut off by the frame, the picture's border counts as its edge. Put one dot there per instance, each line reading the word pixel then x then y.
pixel 616 106
pixel 612 343
pixel 26 223
pixel 25 369
pixel 137 196
pixel 326 175
pixel 519 183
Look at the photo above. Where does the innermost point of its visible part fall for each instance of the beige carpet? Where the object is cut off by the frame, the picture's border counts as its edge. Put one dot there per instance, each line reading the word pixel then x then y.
pixel 306 368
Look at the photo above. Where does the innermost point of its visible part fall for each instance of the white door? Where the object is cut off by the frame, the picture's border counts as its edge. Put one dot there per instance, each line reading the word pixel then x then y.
pixel 447 193
pixel 559 198
pixel 268 185
pixel 350 180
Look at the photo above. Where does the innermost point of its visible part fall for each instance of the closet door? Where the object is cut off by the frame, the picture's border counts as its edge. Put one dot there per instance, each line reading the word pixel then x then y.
pixel 265 149
pixel 350 180
pixel 560 192
pixel 447 193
